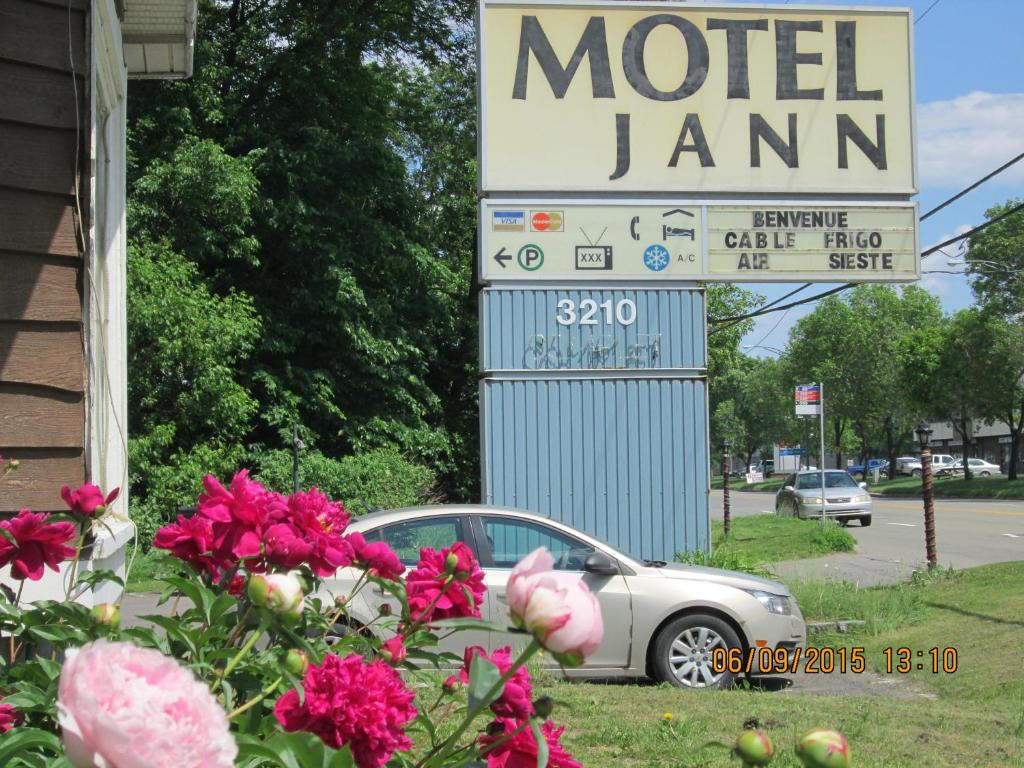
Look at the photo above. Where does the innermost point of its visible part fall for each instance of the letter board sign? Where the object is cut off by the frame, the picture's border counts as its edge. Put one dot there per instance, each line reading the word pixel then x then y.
pixel 679 97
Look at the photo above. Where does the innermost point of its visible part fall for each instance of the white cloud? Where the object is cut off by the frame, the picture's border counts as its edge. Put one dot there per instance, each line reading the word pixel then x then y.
pixel 962 139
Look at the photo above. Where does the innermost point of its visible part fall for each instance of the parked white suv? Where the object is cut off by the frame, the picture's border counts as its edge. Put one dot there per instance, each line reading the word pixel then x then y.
pixel 942 462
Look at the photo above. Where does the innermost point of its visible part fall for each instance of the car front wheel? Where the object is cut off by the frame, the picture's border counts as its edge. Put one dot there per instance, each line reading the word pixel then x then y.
pixel 865 521
pixel 684 649
pixel 916 473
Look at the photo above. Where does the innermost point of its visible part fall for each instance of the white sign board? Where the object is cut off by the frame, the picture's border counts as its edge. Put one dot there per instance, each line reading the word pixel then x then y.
pixel 670 97
pixel 599 241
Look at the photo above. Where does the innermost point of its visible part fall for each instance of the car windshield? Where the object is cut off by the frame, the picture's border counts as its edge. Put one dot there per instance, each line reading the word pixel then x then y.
pixel 832 480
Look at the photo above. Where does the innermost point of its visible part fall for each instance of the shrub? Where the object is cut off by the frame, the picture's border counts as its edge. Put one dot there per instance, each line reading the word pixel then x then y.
pixel 381 478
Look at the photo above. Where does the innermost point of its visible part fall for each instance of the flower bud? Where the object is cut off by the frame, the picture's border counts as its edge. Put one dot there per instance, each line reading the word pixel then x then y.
pixel 451 684
pixel 393 650
pixel 822 748
pixel 106 615
pixel 451 563
pixel 384 609
pixel 296 662
pixel 280 593
pixel 544 706
pixel 754 747
pixel 340 600
pixel 15 463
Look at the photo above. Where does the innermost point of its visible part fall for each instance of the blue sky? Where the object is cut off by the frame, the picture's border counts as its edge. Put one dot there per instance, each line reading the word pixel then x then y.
pixel 970 94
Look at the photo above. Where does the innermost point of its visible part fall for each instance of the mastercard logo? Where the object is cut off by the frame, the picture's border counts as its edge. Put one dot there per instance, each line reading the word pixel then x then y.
pixel 546 221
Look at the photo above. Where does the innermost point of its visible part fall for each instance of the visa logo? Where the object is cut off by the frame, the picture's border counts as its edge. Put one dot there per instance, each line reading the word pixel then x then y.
pixel 509 221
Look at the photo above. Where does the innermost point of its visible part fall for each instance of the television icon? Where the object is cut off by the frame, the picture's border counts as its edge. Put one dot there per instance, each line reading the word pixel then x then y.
pixel 593 257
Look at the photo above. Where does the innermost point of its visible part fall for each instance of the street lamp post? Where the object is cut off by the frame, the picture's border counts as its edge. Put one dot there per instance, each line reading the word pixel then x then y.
pixel 924 437
pixel 725 487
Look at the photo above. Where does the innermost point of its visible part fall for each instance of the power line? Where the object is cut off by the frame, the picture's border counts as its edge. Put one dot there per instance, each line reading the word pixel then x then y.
pixel 973 186
pixel 926 10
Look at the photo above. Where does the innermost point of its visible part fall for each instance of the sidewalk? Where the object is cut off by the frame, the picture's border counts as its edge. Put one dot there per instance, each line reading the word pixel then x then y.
pixel 856 568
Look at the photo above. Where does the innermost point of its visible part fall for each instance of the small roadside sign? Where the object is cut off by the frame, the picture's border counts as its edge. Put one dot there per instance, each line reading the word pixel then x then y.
pixel 808 399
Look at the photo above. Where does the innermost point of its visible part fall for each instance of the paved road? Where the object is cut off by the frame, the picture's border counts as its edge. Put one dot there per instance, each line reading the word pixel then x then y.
pixel 968 533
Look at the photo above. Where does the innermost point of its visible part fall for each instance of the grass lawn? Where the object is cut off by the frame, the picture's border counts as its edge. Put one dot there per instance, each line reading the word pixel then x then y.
pixel 955 487
pixel 976 717
pixel 148 567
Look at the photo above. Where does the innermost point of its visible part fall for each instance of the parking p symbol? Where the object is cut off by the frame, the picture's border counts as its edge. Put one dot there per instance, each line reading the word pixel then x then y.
pixel 530 258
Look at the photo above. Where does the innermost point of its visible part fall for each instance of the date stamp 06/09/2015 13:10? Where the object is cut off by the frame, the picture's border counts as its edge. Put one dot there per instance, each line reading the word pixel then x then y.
pixel 767 661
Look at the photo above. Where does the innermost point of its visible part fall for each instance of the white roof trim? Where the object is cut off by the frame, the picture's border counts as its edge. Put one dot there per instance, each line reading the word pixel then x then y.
pixel 159 38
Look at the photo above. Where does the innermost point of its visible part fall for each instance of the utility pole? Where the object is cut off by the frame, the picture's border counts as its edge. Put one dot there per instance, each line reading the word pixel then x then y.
pixel 924 437
pixel 725 487
pixel 821 436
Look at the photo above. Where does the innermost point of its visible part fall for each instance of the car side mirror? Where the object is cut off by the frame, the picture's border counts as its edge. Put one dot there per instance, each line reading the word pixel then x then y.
pixel 863 485
pixel 787 487
pixel 600 565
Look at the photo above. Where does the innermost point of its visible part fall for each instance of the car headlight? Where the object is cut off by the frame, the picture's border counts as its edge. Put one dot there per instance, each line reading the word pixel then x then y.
pixel 863 499
pixel 809 500
pixel 779 604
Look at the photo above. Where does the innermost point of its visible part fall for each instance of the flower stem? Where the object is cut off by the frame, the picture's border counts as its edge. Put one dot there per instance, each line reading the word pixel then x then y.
pixel 492 694
pixel 255 699
pixel 73 570
pixel 17 599
pixel 240 655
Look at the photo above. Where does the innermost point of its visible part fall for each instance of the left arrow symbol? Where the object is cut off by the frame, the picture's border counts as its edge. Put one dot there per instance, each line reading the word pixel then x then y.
pixel 501 257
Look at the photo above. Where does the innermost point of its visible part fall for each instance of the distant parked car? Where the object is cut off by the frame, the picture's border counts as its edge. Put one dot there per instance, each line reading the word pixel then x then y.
pixel 908 465
pixel 979 467
pixel 944 464
pixel 857 470
pixel 845 499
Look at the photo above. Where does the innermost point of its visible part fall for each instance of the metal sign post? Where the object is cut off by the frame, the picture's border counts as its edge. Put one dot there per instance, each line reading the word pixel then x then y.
pixel 821 430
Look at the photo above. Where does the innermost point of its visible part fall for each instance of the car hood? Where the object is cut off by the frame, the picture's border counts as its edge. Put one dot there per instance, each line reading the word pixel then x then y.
pixel 832 493
pixel 730 578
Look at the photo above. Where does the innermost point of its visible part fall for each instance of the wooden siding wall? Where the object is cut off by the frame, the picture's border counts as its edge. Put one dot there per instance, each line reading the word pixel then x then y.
pixel 42 361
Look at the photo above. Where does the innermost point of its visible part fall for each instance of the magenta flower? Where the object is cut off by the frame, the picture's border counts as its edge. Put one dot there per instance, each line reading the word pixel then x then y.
pixel 516 701
pixel 346 701
pixel 520 751
pixel 87 500
pixel 9 717
pixel 285 546
pixel 191 540
pixel 240 516
pixel 445 585
pixel 120 705
pixel 321 523
pixel 36 543
pixel 376 557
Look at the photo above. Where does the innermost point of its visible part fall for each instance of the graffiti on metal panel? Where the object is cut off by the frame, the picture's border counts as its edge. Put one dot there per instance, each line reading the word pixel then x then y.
pixel 560 351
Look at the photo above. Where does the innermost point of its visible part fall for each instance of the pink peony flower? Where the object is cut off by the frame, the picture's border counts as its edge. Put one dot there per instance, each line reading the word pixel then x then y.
pixel 437 589
pixel 36 543
pixel 393 651
pixel 376 557
pixel 240 516
pixel 520 751
pixel 9 717
pixel 516 701
pixel 556 608
pixel 346 701
pixel 120 705
pixel 191 540
pixel 321 523
pixel 285 546
pixel 87 500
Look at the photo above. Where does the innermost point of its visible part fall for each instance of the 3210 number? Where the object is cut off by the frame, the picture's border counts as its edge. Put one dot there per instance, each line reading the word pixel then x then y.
pixel 624 312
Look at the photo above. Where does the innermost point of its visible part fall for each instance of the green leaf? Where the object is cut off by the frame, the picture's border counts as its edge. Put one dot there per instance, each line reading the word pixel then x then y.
pixel 19 740
pixel 470 624
pixel 342 758
pixel 93 578
pixel 56 633
pixel 483 675
pixel 542 743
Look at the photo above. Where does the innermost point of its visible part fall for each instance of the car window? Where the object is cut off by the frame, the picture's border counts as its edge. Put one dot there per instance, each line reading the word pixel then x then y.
pixel 511 540
pixel 975 462
pixel 407 538
pixel 832 480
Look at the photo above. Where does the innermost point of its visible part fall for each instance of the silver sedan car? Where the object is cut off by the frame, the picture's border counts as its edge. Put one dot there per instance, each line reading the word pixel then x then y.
pixel 845 499
pixel 662 620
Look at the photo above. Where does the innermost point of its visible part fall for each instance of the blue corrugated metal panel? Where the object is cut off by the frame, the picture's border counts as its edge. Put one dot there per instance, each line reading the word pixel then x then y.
pixel 624 459
pixel 520 330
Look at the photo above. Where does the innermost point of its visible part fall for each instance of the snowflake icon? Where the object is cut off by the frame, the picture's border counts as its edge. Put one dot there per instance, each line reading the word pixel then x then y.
pixel 656 257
